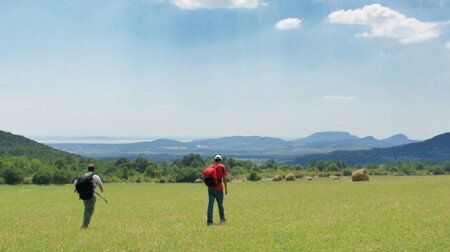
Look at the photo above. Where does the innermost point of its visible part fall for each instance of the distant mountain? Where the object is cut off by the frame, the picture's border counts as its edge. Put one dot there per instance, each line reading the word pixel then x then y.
pixel 253 147
pixel 398 139
pixel 327 136
pixel 335 140
pixel 435 149
pixel 15 145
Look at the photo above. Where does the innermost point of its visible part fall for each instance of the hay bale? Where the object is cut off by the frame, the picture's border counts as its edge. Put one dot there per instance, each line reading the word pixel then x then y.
pixel 309 178
pixel 360 175
pixel 198 181
pixel 334 177
pixel 290 177
pixel 277 178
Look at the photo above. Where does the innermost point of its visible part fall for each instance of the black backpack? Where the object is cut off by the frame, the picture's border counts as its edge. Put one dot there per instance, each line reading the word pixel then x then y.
pixel 84 186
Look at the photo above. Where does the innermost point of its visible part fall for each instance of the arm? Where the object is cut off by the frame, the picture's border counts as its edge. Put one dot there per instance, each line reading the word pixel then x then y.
pixel 101 187
pixel 225 184
pixel 98 182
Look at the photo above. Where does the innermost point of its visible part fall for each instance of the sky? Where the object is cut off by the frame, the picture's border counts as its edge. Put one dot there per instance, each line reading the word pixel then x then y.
pixel 204 68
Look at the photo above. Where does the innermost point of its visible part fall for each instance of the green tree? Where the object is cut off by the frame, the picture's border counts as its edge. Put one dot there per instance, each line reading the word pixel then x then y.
pixel 152 170
pixel 12 176
pixel 140 164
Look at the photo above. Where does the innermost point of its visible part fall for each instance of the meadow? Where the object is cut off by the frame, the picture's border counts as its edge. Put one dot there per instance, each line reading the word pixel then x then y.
pixel 386 213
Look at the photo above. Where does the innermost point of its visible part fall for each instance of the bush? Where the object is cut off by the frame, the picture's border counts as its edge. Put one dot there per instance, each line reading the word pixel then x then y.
pixel 437 170
pixel 347 172
pixel 253 176
pixel 12 176
pixel 42 178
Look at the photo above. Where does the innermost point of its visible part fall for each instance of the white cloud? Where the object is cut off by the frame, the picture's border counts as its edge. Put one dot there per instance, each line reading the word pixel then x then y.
pixel 338 98
pixel 385 22
pixel 447 45
pixel 161 108
pixel 288 24
pixel 216 4
pixel 384 54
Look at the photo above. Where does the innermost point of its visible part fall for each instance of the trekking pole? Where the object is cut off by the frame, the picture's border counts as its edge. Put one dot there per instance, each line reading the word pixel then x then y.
pixel 101 197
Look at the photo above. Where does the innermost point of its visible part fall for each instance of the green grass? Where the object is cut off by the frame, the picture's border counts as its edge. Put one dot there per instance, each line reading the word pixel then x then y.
pixel 387 213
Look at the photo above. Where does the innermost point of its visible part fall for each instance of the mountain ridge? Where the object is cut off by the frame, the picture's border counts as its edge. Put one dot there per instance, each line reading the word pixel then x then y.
pixel 435 149
pixel 239 146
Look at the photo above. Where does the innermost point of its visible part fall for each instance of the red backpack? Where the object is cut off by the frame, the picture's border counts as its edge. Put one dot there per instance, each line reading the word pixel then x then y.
pixel 210 176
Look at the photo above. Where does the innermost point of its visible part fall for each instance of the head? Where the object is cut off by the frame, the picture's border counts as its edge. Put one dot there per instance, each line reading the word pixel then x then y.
pixel 91 167
pixel 218 158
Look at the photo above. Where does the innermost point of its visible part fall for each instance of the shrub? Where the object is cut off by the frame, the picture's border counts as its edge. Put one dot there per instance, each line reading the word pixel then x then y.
pixel 253 176
pixel 437 170
pixel 12 176
pixel 42 178
pixel 347 172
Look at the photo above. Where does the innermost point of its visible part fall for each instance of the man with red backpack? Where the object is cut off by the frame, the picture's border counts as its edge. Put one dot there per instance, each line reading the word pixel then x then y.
pixel 213 179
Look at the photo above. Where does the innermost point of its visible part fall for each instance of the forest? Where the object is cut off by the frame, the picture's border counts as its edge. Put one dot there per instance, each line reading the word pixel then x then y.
pixel 63 170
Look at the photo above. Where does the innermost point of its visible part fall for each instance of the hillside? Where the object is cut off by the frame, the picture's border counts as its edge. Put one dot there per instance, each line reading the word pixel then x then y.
pixel 435 149
pixel 15 145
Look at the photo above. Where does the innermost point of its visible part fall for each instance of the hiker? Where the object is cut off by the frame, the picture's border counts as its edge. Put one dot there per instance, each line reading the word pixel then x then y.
pixel 216 192
pixel 87 193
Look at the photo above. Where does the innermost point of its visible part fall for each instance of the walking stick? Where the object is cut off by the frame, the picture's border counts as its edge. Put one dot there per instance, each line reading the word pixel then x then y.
pixel 101 197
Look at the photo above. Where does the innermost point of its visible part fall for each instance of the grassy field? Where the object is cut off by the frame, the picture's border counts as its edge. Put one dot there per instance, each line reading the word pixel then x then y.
pixel 387 213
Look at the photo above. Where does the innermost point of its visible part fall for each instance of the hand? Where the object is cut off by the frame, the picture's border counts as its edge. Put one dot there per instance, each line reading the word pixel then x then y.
pixel 226 191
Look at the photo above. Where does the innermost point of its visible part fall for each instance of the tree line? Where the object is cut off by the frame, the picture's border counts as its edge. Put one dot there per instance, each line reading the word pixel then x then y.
pixel 64 170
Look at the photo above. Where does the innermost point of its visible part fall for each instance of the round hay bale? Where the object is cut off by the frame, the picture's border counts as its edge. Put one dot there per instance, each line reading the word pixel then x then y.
pixel 360 175
pixel 277 178
pixel 198 181
pixel 309 178
pixel 290 177
pixel 334 177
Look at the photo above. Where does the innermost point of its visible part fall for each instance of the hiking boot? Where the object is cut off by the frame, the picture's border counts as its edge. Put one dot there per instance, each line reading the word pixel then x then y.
pixel 223 221
pixel 209 223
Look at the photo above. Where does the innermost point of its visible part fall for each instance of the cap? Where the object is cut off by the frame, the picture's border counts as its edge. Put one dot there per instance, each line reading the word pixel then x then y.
pixel 218 157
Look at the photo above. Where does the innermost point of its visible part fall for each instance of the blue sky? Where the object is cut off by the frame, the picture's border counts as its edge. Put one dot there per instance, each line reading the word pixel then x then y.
pixel 201 68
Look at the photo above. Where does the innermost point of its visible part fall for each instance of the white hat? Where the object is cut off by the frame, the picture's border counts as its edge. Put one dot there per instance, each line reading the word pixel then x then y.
pixel 218 157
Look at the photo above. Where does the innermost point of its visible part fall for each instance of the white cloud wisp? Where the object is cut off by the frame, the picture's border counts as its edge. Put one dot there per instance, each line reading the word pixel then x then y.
pixel 387 23
pixel 216 4
pixel 338 98
pixel 288 24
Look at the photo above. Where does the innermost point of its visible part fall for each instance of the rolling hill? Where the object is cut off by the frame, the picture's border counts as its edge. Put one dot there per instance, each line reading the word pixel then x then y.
pixel 15 145
pixel 435 149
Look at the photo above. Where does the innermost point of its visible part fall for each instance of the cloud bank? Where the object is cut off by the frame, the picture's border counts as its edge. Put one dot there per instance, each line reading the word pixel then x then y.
pixel 385 22
pixel 216 4
pixel 288 24
pixel 338 98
